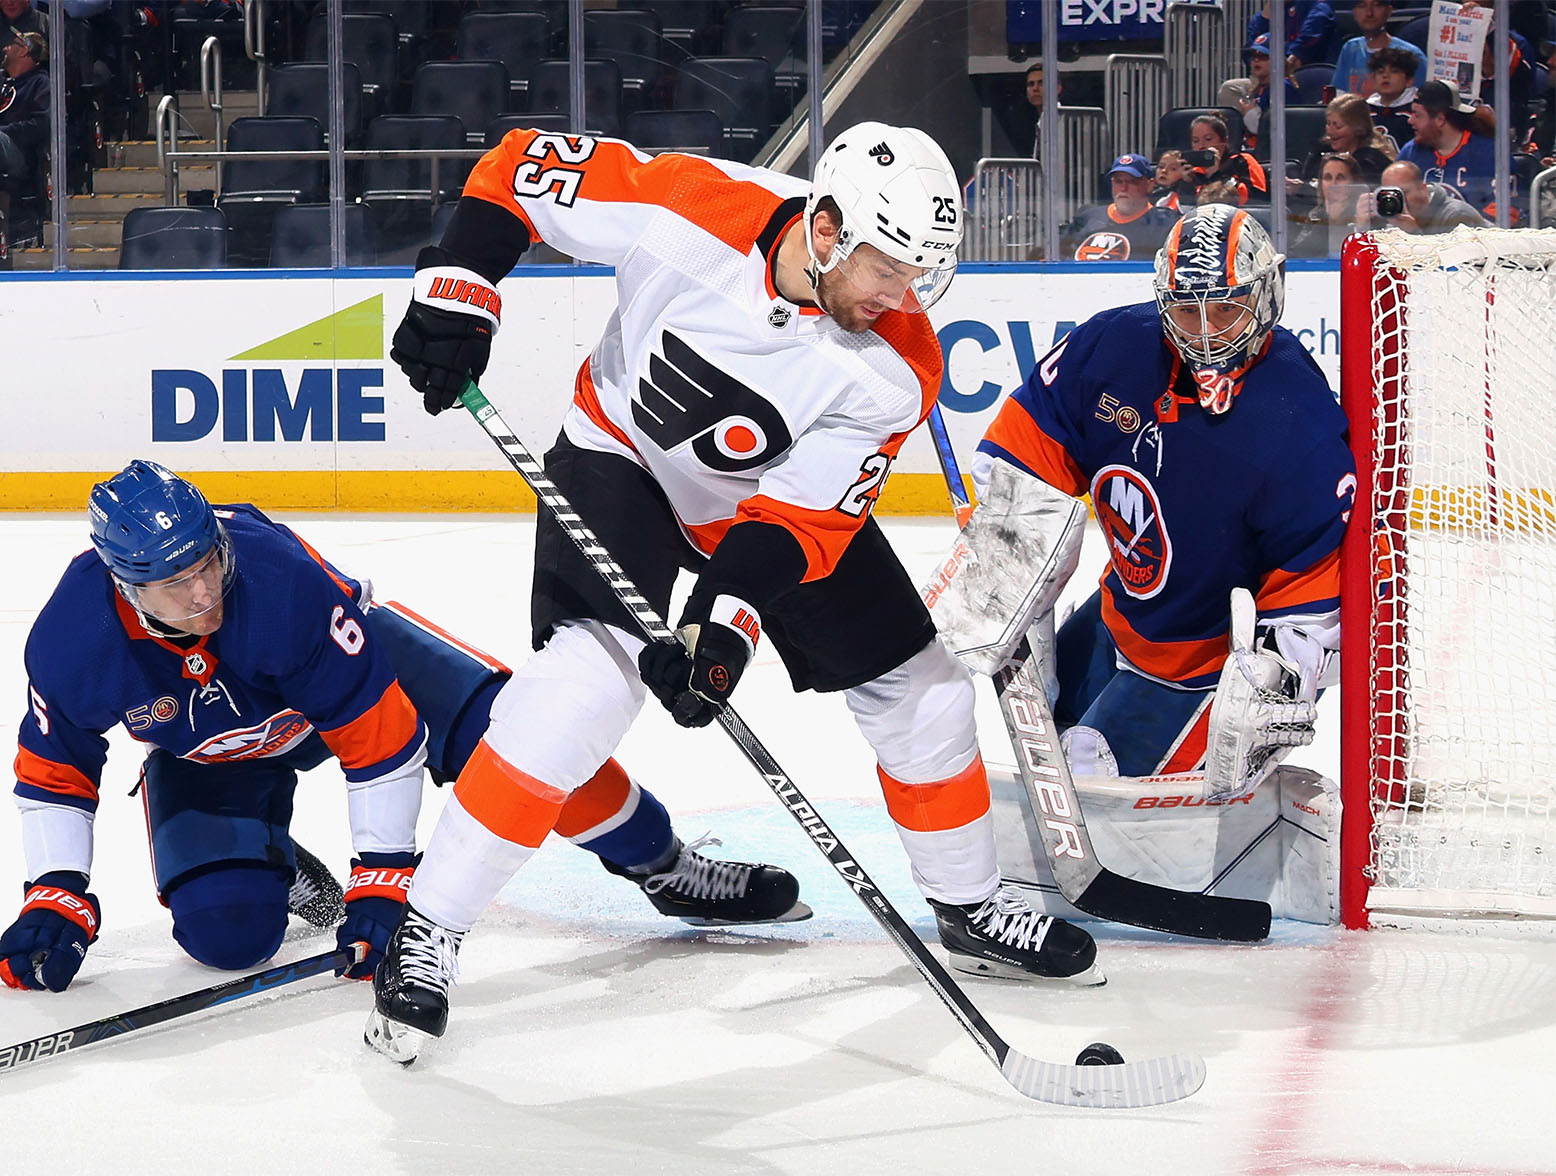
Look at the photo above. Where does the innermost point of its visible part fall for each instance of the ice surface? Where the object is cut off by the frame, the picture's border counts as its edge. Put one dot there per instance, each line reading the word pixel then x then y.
pixel 591 1036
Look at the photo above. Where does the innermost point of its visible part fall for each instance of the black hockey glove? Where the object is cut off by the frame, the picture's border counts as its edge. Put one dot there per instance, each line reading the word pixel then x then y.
pixel 694 673
pixel 446 335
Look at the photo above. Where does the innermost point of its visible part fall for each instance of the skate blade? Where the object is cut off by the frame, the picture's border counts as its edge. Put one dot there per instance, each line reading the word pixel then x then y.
pixel 1092 977
pixel 397 1042
pixel 798 913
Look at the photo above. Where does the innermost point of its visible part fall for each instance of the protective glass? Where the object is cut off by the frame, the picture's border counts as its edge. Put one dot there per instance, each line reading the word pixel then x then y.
pixel 189 596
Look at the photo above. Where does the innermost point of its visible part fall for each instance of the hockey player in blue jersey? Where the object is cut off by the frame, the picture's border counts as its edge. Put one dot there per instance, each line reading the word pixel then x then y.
pixel 241 657
pixel 1216 458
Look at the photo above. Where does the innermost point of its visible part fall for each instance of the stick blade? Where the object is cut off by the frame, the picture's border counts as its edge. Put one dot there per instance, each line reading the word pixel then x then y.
pixel 1203 916
pixel 1149 1083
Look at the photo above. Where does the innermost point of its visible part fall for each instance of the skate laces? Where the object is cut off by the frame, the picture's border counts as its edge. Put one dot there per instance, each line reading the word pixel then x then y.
pixel 429 954
pixel 1007 917
pixel 698 877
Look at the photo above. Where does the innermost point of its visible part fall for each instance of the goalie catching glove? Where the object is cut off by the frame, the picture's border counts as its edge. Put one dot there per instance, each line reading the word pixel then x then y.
pixel 446 335
pixel 1258 714
pixel 695 672
pixel 375 901
pixel 44 948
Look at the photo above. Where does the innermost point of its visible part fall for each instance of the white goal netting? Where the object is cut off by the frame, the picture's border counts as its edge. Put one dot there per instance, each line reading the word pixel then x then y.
pixel 1462 640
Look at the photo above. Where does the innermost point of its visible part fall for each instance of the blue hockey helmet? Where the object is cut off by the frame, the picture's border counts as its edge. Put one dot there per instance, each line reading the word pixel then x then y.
pixel 149 524
pixel 151 527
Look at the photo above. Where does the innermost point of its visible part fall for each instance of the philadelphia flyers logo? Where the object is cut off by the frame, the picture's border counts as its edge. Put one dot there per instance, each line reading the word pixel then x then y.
pixel 1131 516
pixel 688 400
pixel 882 154
pixel 1103 246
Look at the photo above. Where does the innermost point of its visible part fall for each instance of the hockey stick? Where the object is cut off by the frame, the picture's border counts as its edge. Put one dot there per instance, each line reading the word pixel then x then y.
pixel 1085 883
pixel 51 1045
pixel 1134 1084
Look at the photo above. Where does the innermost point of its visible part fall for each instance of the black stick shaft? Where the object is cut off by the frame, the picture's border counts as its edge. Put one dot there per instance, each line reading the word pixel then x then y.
pixel 51 1045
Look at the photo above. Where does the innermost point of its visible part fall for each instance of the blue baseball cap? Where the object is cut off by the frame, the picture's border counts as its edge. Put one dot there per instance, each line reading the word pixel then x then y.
pixel 1135 165
pixel 1260 44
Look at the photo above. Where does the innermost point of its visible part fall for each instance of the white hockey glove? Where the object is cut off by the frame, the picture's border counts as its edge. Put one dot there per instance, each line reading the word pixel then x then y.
pixel 1007 568
pixel 1256 717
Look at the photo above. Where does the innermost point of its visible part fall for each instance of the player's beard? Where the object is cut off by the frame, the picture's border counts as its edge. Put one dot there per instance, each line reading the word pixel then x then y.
pixel 836 295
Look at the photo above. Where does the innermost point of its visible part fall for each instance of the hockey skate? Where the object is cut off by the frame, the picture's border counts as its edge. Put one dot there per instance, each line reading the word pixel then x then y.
pixel 410 987
pixel 316 897
pixel 710 893
pixel 1003 936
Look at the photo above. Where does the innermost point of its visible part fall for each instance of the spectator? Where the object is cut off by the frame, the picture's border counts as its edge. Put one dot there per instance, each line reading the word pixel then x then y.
pixel 1445 148
pixel 1390 71
pixel 1251 95
pixel 19 16
pixel 1170 170
pixel 1353 71
pixel 1321 232
pixel 1208 133
pixel 24 126
pixel 1310 31
pixel 1429 207
pixel 1349 129
pixel 1035 100
pixel 1130 226
pixel 1520 74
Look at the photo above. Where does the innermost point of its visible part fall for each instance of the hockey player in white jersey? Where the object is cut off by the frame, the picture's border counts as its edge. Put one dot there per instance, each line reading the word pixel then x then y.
pixel 767 358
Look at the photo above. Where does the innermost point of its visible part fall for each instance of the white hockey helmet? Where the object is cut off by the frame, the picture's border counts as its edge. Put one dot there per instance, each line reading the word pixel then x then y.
pixel 896 191
pixel 1220 290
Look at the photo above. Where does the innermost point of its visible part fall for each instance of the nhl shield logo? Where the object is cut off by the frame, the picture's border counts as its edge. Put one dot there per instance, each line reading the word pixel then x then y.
pixel 196 664
pixel 778 317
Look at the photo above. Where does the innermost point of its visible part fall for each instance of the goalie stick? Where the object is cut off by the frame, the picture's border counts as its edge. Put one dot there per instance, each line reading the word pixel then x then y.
pixel 51 1045
pixel 1133 1084
pixel 1084 882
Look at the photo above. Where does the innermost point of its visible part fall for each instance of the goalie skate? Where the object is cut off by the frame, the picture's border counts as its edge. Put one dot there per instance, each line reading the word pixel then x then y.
pixel 410 988
pixel 709 893
pixel 1003 936
pixel 316 897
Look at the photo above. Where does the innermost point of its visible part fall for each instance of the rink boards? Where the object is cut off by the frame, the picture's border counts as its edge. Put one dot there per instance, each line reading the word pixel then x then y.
pixel 278 389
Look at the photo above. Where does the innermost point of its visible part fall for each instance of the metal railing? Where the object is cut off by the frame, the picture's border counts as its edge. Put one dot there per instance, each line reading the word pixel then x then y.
pixel 1004 211
pixel 1536 191
pixel 211 87
pixel 168 160
pixel 1085 150
pixel 1135 95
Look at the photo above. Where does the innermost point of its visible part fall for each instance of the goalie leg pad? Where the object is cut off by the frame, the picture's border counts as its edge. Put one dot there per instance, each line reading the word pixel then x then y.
pixel 1007 568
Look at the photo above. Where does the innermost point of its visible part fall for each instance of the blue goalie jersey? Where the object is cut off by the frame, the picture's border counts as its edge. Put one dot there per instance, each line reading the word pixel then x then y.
pixel 1192 504
pixel 293 655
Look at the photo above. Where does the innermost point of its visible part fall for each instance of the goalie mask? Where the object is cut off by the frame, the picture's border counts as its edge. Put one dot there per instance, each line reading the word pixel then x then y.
pixel 897 192
pixel 1220 289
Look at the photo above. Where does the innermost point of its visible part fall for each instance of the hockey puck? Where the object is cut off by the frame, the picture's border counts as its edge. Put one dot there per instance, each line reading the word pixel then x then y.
pixel 1099 1053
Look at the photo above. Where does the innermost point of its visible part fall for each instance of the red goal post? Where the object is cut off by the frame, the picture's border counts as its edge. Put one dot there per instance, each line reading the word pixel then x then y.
pixel 1448 605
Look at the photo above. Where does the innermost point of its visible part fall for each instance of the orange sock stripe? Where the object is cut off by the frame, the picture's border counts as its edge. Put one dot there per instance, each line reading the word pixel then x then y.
pixel 596 801
pixel 941 804
pixel 512 804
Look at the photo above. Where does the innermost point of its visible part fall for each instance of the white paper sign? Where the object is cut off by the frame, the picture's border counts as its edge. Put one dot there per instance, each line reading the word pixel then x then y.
pixel 1457 39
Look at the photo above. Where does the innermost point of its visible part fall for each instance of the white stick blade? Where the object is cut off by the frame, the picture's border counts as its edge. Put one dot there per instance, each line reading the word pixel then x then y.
pixel 1135 1084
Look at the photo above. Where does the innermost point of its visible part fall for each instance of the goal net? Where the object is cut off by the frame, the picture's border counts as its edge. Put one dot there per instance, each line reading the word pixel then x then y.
pixel 1449 603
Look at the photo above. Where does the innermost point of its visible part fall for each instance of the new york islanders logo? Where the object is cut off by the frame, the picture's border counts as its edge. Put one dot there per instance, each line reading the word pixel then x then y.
pixel 271 737
pixel 1103 246
pixel 1131 518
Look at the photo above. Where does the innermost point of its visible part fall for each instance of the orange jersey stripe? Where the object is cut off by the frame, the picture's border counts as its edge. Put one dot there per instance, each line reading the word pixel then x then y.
pixel 416 618
pixel 52 777
pixel 319 559
pixel 1189 753
pixel 510 803
pixel 595 801
pixel 734 211
pixel 1286 590
pixel 587 398
pixel 941 805
pixel 823 534
pixel 376 734
pixel 1176 661
pixel 913 337
pixel 1014 431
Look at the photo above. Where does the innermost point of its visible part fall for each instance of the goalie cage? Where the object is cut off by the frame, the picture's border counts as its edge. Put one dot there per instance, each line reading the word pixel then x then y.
pixel 1448 751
